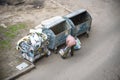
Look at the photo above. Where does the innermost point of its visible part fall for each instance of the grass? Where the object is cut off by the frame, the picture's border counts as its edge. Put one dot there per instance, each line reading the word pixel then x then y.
pixel 13 30
pixel 9 33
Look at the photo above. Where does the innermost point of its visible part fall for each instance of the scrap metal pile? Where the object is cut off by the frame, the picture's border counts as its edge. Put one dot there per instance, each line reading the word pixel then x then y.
pixel 52 33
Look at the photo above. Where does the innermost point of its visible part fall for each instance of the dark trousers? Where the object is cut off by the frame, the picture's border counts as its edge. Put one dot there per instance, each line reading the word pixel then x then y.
pixel 72 51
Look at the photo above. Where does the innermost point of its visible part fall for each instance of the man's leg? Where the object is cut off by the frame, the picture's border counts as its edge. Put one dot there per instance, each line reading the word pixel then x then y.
pixel 72 51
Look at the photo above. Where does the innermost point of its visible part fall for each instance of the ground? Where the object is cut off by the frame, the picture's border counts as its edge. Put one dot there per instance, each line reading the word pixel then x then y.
pixel 98 59
pixel 19 19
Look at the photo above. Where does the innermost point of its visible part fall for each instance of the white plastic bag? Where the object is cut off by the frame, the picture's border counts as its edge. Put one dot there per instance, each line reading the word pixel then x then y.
pixel 78 44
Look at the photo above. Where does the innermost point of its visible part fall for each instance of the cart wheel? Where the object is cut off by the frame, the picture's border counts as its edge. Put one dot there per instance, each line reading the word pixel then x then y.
pixel 63 57
pixel 89 28
pixel 72 55
pixel 46 55
pixel 87 34
pixel 55 50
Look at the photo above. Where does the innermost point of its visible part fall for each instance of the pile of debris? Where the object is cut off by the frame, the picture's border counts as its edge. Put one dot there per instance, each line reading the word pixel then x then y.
pixel 34 45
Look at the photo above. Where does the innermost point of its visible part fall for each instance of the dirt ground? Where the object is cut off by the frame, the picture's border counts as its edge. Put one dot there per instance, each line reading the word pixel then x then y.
pixel 26 14
pixel 98 59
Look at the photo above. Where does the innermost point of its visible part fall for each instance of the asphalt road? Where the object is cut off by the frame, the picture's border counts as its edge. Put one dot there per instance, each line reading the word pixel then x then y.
pixel 99 57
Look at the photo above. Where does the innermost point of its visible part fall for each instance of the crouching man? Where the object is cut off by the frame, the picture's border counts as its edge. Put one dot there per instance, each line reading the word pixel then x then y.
pixel 69 49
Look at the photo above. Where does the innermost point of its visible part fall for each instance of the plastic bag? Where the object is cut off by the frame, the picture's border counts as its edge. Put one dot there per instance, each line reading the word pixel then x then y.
pixel 78 44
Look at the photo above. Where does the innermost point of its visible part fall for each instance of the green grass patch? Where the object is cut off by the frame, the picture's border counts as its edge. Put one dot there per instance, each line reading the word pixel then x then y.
pixel 9 33
pixel 4 44
pixel 13 30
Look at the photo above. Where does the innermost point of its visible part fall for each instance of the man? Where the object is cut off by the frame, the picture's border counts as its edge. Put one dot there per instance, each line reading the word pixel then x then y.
pixel 70 43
